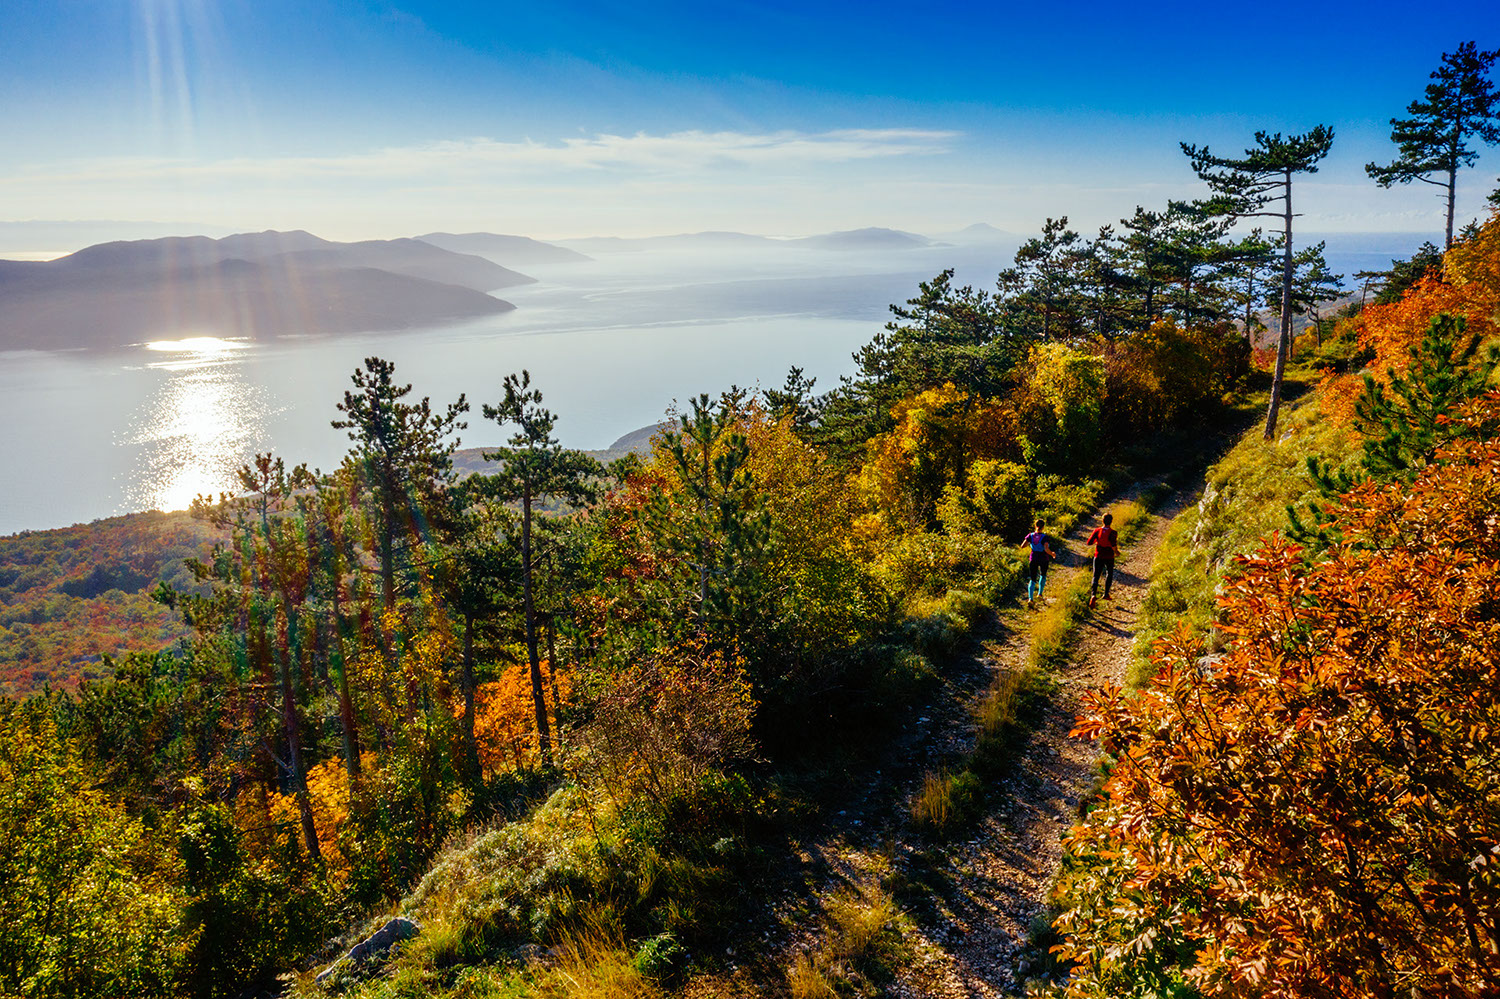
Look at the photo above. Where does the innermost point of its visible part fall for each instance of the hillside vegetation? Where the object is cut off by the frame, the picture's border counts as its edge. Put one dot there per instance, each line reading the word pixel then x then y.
pixel 72 596
pixel 1300 798
pixel 568 720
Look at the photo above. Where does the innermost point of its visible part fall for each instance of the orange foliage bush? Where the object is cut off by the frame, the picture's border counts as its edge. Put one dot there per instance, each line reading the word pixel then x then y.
pixel 1169 374
pixel 1469 287
pixel 1318 812
pixel 505 716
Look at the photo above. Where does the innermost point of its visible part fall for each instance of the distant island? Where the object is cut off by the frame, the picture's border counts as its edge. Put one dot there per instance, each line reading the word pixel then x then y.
pixel 519 250
pixel 254 285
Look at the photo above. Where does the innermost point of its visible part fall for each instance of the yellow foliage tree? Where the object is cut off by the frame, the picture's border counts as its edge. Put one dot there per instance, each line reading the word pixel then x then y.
pixel 938 433
pixel 1062 404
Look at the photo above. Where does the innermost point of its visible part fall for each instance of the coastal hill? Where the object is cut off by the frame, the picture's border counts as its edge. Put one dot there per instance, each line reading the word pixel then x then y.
pixel 522 251
pixel 872 238
pixel 254 285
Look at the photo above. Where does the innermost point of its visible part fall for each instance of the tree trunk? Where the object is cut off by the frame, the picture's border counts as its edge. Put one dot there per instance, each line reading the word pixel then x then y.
pixel 1284 341
pixel 705 444
pixel 538 692
pixel 1452 188
pixel 471 746
pixel 294 740
pixel 552 663
pixel 388 555
pixel 346 702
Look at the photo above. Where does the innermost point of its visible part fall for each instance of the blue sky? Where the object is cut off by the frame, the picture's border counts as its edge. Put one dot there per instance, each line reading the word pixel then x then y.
pixel 370 118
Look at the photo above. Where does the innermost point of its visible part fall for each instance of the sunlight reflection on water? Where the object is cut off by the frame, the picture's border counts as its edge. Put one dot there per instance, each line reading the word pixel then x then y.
pixel 203 422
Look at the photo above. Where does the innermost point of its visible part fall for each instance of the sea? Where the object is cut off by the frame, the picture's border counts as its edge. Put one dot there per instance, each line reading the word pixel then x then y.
pixel 615 343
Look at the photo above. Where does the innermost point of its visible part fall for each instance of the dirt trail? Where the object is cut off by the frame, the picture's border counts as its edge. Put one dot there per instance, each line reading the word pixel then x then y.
pixel 987 891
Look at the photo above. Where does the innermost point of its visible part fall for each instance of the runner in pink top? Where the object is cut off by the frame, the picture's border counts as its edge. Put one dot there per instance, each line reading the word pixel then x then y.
pixel 1036 568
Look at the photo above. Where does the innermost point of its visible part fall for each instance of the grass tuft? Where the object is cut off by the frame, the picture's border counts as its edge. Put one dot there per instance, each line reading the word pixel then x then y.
pixel 593 963
pixel 860 949
pixel 948 803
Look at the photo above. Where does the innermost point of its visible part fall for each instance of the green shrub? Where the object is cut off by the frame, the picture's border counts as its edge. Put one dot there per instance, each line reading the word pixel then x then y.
pixel 997 498
pixel 660 958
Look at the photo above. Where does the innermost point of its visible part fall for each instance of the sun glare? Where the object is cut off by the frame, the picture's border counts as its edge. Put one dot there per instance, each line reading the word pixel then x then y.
pixel 204 421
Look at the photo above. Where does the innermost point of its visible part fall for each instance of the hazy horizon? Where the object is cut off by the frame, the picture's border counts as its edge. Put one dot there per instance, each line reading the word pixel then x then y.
pixel 587 118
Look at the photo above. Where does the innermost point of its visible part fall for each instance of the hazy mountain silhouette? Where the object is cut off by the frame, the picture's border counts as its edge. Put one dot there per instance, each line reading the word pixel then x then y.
pixel 300 251
pixel 518 250
pixel 865 239
pixel 981 233
pixel 248 285
pixel 686 240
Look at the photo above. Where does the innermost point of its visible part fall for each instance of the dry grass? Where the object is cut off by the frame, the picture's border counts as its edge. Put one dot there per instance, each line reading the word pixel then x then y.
pixel 806 981
pixel 947 803
pixel 860 947
pixel 1000 706
pixel 592 963
pixel 934 804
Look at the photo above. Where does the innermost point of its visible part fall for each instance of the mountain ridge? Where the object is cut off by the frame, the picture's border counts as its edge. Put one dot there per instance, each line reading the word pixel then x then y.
pixel 253 285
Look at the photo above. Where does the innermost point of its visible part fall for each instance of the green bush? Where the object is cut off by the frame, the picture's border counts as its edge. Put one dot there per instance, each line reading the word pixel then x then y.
pixel 997 498
pixel 660 958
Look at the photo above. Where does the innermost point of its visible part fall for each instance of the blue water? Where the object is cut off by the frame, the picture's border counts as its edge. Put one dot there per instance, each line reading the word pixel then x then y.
pixel 611 343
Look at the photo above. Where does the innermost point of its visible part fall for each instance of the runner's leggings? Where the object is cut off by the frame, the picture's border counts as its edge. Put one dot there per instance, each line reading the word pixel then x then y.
pixel 1103 567
pixel 1036 575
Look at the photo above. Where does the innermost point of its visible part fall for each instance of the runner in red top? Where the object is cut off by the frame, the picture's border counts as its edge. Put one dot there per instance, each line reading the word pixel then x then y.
pixel 1106 544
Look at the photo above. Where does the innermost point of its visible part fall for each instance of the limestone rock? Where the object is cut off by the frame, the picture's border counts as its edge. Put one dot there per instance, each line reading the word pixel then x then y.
pixel 372 947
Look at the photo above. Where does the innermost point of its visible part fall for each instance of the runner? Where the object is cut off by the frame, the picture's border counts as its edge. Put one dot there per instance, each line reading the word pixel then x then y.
pixel 1036 570
pixel 1106 544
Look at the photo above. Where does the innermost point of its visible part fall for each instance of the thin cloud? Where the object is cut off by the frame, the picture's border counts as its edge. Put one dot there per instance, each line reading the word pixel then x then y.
pixel 676 153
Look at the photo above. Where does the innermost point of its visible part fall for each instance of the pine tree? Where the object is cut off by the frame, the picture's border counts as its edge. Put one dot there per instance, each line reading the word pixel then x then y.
pixel 1044 283
pixel 1461 103
pixel 795 401
pixel 1314 285
pixel 727 535
pixel 405 459
pixel 1244 187
pixel 1249 274
pixel 1404 422
pixel 535 467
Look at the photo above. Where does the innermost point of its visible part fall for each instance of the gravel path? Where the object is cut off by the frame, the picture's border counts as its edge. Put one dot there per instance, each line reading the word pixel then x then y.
pixel 990 889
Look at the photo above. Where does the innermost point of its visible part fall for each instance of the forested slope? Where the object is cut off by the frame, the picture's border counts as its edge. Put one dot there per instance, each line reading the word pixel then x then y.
pixel 571 719
pixel 68 597
pixel 1301 795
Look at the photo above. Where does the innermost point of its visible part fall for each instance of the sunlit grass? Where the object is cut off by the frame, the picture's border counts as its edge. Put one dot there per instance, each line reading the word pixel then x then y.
pixel 861 946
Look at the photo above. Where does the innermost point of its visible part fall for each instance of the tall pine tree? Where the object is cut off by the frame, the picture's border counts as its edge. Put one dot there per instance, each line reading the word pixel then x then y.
pixel 1460 103
pixel 1244 186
